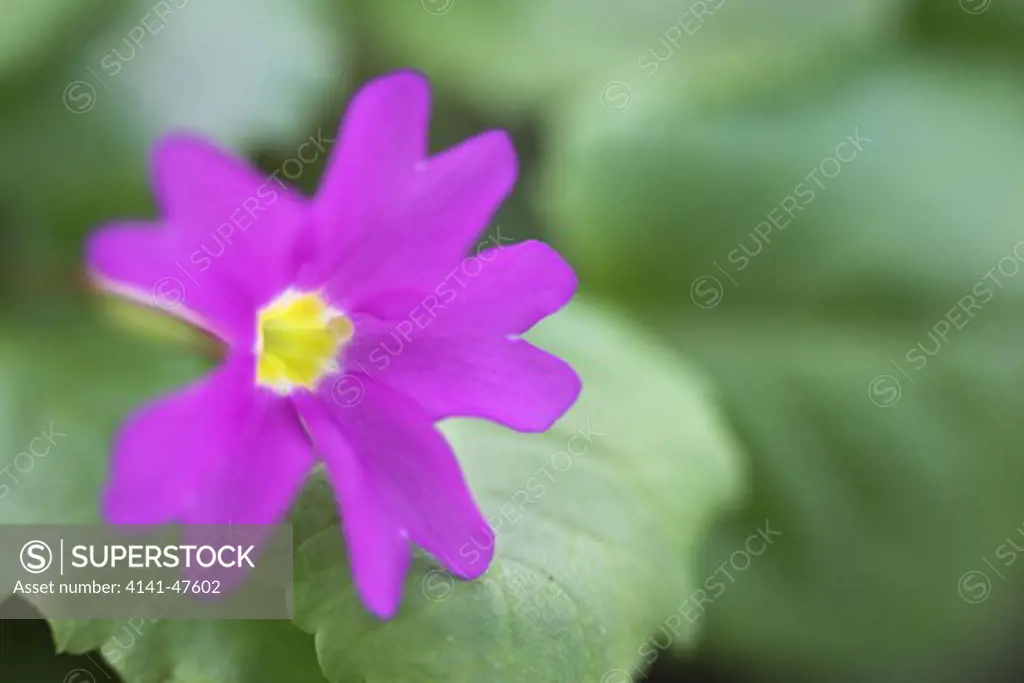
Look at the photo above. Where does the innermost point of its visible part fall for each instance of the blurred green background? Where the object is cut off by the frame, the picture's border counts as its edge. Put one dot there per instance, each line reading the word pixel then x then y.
pixel 818 205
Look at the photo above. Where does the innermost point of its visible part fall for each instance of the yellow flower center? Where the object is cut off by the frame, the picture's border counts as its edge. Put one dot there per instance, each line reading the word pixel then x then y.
pixel 298 339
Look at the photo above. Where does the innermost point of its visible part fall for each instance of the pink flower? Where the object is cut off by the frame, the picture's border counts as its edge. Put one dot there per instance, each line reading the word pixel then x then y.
pixel 353 323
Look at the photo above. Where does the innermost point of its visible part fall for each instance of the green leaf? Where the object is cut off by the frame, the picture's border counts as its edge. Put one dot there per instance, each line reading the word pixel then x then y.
pixel 877 401
pixel 700 183
pixel 32 27
pixel 875 478
pixel 585 542
pixel 985 25
pixel 154 651
pixel 591 518
pixel 528 53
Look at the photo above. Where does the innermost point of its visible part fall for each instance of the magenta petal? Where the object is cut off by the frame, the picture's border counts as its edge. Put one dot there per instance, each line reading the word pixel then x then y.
pixel 257 479
pixel 141 262
pixel 508 381
pixel 168 449
pixel 506 290
pixel 424 232
pixel 236 227
pixel 382 139
pixel 417 476
pixel 377 546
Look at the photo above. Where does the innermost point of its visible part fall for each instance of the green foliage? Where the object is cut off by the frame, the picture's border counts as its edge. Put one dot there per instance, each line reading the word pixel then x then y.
pixel 984 25
pixel 523 55
pixel 31 28
pixel 595 543
pixel 866 340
